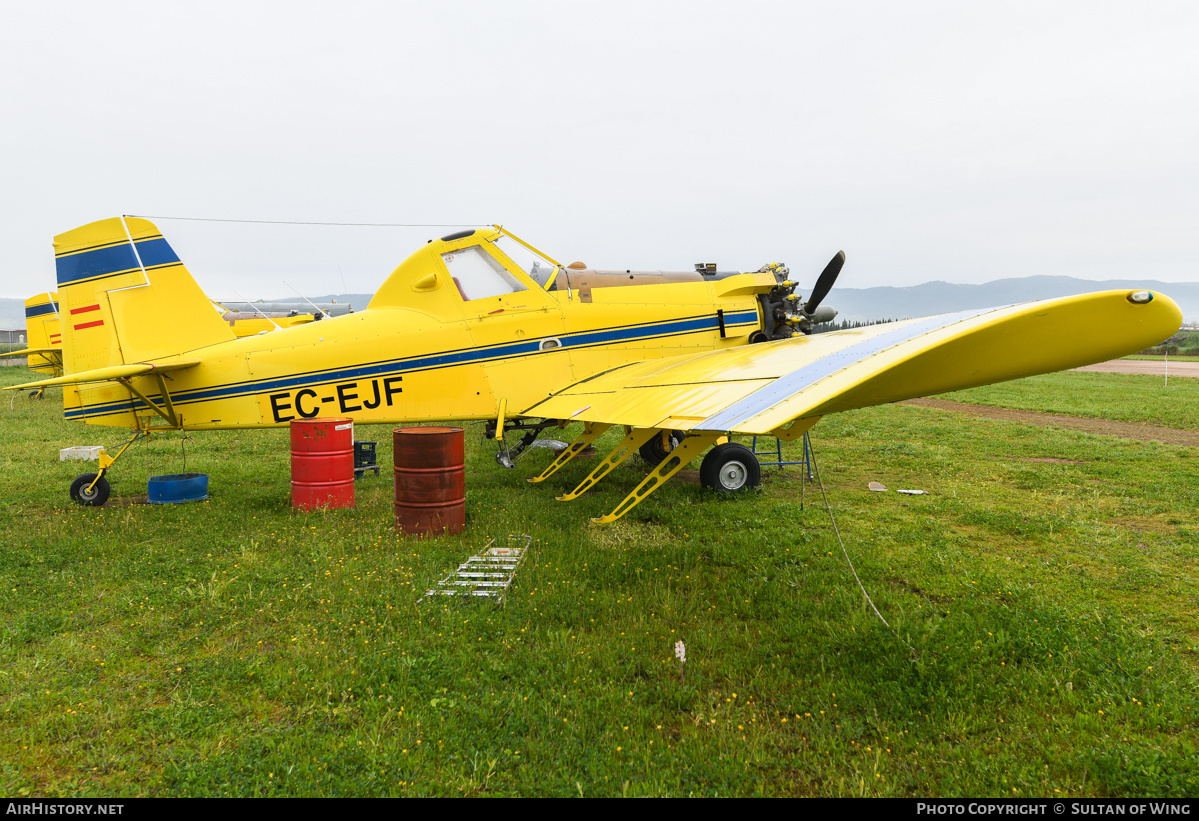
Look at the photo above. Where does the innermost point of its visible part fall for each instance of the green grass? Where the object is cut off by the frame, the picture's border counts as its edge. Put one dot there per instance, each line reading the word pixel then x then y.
pixel 1159 357
pixel 233 647
pixel 1123 397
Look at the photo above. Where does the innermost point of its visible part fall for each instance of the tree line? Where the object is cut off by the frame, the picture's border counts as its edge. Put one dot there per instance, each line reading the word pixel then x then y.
pixel 846 324
pixel 1183 343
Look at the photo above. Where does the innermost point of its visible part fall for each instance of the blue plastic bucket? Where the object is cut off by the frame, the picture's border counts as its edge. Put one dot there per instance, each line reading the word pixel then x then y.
pixel 177 488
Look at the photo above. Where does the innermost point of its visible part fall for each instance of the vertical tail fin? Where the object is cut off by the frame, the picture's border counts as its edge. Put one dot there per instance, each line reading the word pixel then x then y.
pixel 42 331
pixel 127 298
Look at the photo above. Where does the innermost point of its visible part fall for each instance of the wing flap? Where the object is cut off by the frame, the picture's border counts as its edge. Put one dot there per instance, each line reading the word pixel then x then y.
pixel 758 389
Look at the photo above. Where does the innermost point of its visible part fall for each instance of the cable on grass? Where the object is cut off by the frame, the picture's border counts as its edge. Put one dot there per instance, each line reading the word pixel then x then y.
pixel 845 553
pixel 299 222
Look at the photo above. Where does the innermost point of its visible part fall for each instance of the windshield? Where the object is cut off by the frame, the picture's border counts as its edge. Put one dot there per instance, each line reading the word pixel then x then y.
pixel 536 266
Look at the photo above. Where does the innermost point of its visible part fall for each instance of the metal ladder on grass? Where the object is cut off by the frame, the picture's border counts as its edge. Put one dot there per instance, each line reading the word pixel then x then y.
pixel 487 574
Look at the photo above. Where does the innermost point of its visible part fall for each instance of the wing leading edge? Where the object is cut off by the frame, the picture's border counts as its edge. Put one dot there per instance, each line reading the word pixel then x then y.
pixel 761 389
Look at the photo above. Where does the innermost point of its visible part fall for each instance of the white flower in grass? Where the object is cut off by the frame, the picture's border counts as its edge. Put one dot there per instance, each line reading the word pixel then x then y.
pixel 680 651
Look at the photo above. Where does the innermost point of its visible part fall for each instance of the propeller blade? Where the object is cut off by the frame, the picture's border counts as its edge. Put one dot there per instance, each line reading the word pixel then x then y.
pixel 824 282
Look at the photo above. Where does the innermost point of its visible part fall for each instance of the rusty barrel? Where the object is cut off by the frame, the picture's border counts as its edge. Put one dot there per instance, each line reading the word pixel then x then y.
pixel 430 480
pixel 322 462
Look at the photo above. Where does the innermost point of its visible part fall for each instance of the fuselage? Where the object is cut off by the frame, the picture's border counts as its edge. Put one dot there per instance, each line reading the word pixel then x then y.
pixel 456 330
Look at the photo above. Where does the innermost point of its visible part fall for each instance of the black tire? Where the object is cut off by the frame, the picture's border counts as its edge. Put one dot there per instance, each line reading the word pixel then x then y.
pixel 729 468
pixel 98 495
pixel 653 452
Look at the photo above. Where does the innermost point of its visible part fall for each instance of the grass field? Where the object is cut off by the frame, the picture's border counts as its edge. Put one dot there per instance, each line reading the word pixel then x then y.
pixel 1125 397
pixel 1042 598
pixel 1158 358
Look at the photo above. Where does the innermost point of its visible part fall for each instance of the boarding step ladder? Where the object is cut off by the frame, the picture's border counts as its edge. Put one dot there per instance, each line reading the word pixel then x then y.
pixel 777 453
pixel 779 463
pixel 488 574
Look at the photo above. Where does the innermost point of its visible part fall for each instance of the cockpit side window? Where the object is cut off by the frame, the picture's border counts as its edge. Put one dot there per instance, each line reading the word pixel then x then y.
pixel 478 275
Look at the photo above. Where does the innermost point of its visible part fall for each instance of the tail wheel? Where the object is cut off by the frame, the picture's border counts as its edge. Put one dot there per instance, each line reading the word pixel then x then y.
pixel 95 497
pixel 653 451
pixel 729 468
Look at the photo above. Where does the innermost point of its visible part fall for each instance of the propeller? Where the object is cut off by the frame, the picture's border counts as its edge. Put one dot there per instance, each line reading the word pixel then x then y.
pixel 824 283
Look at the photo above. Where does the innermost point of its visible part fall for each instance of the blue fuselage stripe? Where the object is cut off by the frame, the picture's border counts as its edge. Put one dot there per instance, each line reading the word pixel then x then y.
pixel 431 362
pixel 795 382
pixel 100 262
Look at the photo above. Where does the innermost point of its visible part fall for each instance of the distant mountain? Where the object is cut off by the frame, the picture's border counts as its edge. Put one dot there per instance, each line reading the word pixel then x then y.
pixel 864 304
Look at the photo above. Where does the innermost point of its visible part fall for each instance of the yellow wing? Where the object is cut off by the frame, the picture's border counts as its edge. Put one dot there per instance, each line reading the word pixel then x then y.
pixel 760 389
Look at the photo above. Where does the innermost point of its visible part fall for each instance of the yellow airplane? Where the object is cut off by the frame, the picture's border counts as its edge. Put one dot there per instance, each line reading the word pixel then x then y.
pixel 479 325
pixel 43 335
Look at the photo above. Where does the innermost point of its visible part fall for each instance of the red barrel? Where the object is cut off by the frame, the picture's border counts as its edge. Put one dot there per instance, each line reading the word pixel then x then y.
pixel 322 462
pixel 430 477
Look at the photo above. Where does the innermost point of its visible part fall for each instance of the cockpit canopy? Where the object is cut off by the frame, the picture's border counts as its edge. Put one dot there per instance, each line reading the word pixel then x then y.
pixel 481 264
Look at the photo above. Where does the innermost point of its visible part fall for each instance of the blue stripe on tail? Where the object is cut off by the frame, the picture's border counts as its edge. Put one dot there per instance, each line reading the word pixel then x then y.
pixel 115 259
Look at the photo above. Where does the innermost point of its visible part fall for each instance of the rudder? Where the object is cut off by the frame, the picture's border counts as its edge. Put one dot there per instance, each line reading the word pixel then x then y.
pixel 126 297
pixel 42 331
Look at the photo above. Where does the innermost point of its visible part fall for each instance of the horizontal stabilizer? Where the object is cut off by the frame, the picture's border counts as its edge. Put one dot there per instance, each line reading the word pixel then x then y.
pixel 110 374
pixel 31 352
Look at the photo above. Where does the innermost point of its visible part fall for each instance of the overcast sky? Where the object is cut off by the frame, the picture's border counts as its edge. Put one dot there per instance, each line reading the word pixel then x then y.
pixel 930 140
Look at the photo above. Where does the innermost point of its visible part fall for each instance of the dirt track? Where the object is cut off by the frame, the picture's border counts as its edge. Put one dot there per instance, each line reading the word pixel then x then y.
pixel 1107 427
pixel 1154 367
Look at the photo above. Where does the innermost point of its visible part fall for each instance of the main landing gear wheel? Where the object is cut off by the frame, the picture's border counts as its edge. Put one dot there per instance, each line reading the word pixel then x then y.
pixel 653 452
pixel 95 497
pixel 730 467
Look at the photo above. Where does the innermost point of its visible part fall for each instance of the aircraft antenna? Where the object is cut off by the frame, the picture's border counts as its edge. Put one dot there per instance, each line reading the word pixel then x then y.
pixel 306 299
pixel 343 224
pixel 264 316
pixel 136 255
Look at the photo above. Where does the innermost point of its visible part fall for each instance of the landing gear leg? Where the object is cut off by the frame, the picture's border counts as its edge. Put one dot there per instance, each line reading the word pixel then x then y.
pixel 92 489
pixel 657 448
pixel 509 457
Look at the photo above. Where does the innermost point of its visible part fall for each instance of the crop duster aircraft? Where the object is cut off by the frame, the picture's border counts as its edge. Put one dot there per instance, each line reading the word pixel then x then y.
pixel 478 325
